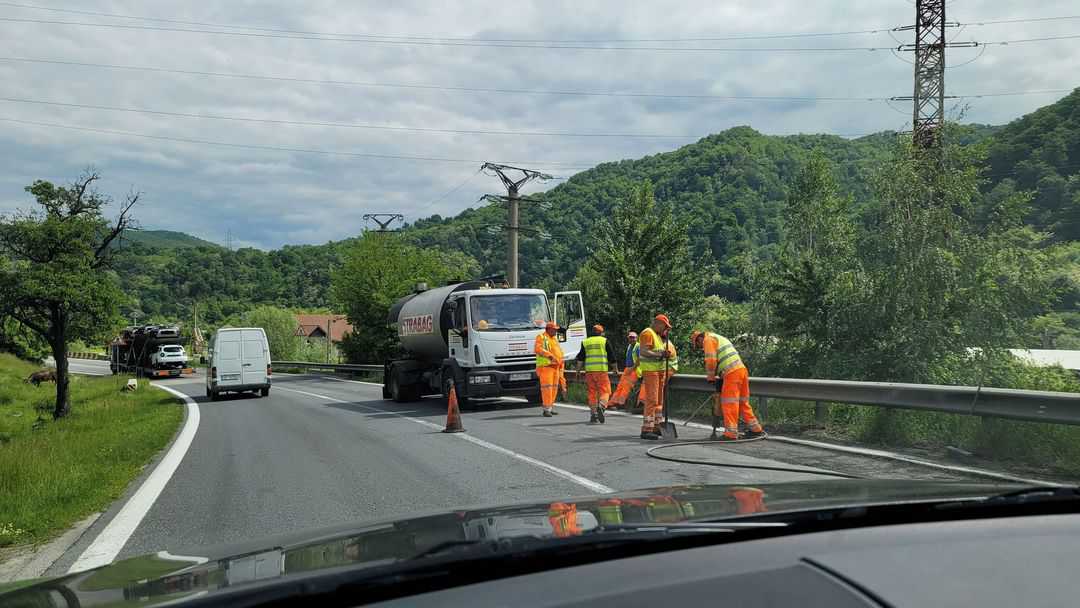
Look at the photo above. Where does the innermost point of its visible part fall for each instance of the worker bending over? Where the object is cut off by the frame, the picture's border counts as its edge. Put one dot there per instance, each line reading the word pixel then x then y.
pixel 629 373
pixel 549 368
pixel 657 361
pixel 732 398
pixel 598 358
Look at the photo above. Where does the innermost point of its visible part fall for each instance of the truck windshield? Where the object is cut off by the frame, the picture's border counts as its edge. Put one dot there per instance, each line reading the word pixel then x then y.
pixel 509 312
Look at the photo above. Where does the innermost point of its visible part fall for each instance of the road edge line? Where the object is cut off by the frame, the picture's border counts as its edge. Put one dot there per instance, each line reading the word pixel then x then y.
pixel 109 542
pixel 578 479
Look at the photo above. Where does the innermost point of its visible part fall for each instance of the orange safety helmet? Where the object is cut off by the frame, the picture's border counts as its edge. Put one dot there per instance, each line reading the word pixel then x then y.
pixel 663 319
pixel 694 335
pixel 552 325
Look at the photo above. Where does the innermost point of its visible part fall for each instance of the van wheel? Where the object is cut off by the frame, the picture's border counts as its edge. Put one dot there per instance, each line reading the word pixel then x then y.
pixel 265 392
pixel 214 395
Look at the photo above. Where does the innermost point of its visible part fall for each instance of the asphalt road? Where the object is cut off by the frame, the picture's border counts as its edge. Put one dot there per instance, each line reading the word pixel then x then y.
pixel 323 451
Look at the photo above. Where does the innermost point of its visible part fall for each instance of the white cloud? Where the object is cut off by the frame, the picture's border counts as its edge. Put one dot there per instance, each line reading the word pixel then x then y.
pixel 275 197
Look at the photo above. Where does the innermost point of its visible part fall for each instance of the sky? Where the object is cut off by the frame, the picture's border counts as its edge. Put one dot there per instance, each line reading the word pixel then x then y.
pixel 286 122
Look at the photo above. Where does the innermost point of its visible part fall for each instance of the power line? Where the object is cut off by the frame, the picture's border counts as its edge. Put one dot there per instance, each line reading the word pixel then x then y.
pixel 760 36
pixel 443 43
pixel 344 125
pixel 206 142
pixel 357 83
pixel 727 37
pixel 555 92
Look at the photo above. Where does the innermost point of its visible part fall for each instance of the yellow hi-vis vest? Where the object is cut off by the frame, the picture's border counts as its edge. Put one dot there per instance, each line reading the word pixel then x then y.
pixel 657 365
pixel 542 361
pixel 595 354
pixel 721 352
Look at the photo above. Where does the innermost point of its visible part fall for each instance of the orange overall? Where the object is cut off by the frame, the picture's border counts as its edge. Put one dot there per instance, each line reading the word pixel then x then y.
pixel 653 382
pixel 549 368
pixel 733 400
pixel 626 381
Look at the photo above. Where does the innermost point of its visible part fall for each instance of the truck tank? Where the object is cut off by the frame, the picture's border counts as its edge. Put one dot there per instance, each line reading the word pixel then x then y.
pixel 422 320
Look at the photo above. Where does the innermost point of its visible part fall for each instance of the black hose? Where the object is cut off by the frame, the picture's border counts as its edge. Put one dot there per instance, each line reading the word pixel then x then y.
pixel 652 452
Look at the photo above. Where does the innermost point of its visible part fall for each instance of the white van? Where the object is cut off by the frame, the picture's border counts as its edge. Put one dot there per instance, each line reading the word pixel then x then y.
pixel 239 362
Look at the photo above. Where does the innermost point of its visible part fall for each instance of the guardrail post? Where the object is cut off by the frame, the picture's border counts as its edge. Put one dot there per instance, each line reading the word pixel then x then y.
pixel 821 413
pixel 763 408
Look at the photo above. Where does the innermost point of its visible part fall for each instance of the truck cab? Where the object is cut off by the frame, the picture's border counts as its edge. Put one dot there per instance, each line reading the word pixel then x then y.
pixel 493 333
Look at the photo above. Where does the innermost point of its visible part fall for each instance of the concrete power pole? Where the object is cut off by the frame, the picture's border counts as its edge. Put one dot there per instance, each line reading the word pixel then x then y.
pixel 513 199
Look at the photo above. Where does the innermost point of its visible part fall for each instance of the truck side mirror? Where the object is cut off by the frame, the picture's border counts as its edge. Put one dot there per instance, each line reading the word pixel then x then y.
pixel 561 333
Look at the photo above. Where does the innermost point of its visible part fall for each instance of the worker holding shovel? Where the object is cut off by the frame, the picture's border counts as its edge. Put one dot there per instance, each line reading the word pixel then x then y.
pixel 655 361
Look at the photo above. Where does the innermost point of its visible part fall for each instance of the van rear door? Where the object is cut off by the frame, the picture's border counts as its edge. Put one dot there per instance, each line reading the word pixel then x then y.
pixel 227 358
pixel 255 357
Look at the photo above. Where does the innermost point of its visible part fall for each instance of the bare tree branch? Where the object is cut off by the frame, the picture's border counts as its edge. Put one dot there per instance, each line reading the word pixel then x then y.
pixel 102 254
pixel 81 187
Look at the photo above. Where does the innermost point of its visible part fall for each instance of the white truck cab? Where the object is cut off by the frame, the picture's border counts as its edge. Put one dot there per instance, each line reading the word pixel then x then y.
pixel 239 362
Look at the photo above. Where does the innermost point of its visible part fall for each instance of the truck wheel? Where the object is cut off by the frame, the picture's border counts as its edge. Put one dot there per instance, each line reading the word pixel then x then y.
pixel 398 392
pixel 462 398
pixel 535 398
pixel 265 392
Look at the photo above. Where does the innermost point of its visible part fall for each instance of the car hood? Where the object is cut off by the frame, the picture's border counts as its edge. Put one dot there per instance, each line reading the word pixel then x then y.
pixel 184 573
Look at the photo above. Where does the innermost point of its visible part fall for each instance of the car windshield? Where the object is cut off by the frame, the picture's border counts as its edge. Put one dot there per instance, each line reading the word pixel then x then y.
pixel 509 312
pixel 643 262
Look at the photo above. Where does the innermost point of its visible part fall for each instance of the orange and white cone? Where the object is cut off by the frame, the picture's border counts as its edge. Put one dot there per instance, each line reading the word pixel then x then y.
pixel 453 415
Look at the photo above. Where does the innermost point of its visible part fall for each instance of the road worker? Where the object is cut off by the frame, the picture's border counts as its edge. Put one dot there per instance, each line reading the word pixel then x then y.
pixel 549 368
pixel 629 373
pixel 655 358
pixel 563 519
pixel 725 368
pixel 598 358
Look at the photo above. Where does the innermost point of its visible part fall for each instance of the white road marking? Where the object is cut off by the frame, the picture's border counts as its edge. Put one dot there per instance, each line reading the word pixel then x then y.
pixel 378 384
pixel 581 481
pixel 842 448
pixel 104 549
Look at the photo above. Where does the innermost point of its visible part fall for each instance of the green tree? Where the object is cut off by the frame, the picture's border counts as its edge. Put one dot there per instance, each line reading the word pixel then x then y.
pixel 280 326
pixel 925 284
pixel 642 264
pixel 55 276
pixel 380 268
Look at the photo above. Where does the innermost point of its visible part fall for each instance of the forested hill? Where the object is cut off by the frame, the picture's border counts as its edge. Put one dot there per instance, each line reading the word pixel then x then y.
pixel 165 239
pixel 1041 152
pixel 732 185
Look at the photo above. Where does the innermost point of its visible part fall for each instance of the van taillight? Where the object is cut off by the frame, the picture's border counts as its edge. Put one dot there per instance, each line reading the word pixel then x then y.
pixel 268 370
pixel 213 372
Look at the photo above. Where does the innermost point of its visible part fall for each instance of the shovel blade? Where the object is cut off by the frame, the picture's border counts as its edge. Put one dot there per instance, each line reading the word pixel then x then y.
pixel 668 431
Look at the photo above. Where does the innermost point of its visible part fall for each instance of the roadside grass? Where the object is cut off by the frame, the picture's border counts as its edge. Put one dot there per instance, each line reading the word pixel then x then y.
pixel 55 473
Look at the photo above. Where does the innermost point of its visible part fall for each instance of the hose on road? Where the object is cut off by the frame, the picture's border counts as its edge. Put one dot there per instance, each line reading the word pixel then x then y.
pixel 654 453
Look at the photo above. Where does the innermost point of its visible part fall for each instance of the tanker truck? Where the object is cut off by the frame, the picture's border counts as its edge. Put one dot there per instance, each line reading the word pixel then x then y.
pixel 478 337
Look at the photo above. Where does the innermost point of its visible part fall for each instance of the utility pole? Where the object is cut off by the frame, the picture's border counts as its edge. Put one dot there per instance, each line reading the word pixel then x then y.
pixel 384 220
pixel 928 101
pixel 513 191
pixel 929 107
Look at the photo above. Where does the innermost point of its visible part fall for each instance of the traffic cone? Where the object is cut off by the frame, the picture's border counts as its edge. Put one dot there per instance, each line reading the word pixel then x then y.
pixel 453 416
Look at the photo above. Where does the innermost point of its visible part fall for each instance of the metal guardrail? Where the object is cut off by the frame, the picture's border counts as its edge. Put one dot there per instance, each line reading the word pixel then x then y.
pixel 327 367
pixel 90 356
pixel 1033 406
